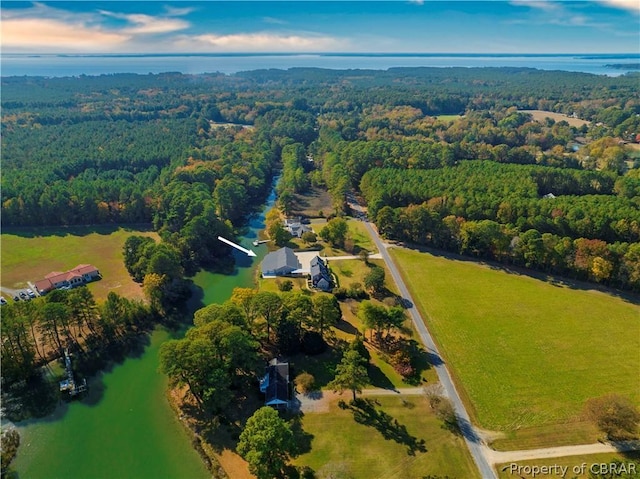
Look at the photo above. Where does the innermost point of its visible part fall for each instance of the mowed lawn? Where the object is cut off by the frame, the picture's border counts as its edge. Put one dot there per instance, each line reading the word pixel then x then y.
pixel 28 254
pixel 525 352
pixel 343 447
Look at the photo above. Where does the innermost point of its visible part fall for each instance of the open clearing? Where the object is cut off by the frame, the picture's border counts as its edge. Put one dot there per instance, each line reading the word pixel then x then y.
pixel 28 254
pixel 315 203
pixel 376 446
pixel 448 118
pixel 540 115
pixel 357 233
pixel 526 353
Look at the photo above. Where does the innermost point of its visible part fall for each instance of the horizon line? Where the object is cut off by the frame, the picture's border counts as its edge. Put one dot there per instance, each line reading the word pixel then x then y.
pixel 138 54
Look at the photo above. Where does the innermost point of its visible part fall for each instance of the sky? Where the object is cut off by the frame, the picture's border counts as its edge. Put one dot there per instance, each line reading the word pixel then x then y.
pixel 417 26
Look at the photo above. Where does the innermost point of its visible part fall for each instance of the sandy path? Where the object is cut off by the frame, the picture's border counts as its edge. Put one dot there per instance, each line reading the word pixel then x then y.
pixel 501 457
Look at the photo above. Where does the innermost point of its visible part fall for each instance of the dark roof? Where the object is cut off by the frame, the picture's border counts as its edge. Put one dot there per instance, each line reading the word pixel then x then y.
pixel 318 267
pixel 284 257
pixel 276 383
pixel 319 271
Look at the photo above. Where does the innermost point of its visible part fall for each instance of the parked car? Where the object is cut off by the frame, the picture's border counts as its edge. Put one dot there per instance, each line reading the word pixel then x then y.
pixel 23 295
pixel 2 300
pixel 16 298
pixel 31 293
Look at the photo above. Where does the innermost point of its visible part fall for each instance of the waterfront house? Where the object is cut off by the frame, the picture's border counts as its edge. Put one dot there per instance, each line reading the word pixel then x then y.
pixel 282 262
pixel 275 384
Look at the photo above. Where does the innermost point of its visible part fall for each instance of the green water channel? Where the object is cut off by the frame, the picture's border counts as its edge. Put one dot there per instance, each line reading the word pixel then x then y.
pixel 125 427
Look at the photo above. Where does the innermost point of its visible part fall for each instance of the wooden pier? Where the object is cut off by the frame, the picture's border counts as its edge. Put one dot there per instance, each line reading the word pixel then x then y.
pixel 69 384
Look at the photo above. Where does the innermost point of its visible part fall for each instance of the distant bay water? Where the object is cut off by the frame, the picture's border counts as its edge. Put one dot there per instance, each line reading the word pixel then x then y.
pixel 59 65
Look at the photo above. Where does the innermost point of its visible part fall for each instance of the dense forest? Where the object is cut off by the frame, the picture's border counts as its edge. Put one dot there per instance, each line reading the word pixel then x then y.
pixel 192 153
pixel 443 157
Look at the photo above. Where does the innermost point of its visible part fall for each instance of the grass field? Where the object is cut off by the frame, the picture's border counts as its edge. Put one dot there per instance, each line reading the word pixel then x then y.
pixel 525 352
pixel 448 118
pixel 360 236
pixel 541 115
pixel 351 271
pixel 357 232
pixel 575 464
pixel 271 284
pixel 28 254
pixel 375 446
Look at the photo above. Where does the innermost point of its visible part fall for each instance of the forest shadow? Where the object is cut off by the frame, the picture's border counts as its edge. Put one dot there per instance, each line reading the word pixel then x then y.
pixel 33 401
pixel 631 455
pixel 302 438
pixel 365 412
pixel 433 359
pixel 39 400
pixel 321 366
pixel 346 327
pixel 465 429
pixel 194 302
pixel 242 260
pixel 61 231
pixel 222 432
pixel 379 379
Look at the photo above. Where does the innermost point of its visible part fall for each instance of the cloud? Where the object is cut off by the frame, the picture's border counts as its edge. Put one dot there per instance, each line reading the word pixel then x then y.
pixel 274 21
pixel 42 28
pixel 417 2
pixel 258 42
pixel 633 5
pixel 545 5
pixel 47 29
pixel 51 35
pixel 178 12
pixel 548 5
pixel 146 24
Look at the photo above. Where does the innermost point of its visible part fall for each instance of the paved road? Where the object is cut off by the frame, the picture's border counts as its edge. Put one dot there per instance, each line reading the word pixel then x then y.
pixel 471 437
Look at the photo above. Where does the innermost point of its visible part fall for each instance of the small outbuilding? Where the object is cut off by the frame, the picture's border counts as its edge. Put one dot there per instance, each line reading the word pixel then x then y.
pixel 282 262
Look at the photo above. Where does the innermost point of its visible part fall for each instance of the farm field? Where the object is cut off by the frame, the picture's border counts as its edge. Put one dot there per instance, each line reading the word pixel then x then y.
pixel 28 254
pixel 373 445
pixel 540 115
pixel 526 353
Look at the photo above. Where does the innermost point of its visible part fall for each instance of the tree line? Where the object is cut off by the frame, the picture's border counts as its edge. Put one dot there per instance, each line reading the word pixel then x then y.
pixel 582 203
pixel 36 332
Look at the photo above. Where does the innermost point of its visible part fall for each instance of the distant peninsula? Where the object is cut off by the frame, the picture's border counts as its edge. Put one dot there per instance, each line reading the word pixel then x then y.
pixel 624 66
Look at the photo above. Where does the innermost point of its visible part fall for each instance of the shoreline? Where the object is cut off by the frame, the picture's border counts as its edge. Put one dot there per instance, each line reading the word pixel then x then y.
pixel 208 456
